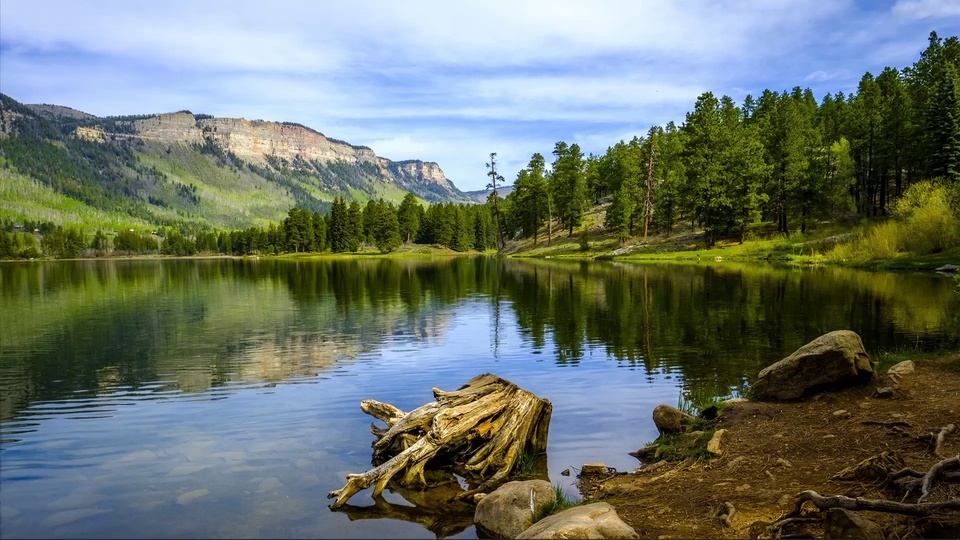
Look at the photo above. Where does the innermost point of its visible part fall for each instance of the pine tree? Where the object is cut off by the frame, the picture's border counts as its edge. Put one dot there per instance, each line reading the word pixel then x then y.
pixel 339 226
pixel 410 216
pixel 354 226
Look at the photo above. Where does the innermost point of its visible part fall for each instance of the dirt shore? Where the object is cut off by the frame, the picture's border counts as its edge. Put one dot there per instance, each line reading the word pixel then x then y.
pixel 773 451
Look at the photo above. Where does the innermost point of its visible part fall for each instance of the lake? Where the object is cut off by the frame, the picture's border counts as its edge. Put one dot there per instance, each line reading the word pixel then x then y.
pixel 220 398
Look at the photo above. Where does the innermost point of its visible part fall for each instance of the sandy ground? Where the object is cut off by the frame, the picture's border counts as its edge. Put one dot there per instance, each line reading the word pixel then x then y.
pixel 775 450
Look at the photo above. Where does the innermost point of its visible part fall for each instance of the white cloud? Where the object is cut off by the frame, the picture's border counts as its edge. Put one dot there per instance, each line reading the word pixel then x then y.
pixel 926 9
pixel 818 76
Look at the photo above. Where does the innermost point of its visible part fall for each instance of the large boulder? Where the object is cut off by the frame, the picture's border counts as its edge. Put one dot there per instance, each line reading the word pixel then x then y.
pixel 507 511
pixel 834 359
pixel 597 520
pixel 670 419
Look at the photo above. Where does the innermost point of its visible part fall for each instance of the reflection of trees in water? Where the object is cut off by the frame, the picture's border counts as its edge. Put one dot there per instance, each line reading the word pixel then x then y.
pixel 716 323
pixel 66 325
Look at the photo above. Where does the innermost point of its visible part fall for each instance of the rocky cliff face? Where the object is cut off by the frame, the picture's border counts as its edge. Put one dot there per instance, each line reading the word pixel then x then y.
pixel 254 141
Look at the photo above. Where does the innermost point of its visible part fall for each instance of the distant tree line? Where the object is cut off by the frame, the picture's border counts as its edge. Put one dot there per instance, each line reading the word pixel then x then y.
pixel 781 157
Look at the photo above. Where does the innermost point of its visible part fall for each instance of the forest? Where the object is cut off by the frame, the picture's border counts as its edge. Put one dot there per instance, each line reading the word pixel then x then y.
pixel 890 149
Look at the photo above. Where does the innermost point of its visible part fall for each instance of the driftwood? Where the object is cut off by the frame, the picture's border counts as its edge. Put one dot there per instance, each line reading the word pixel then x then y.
pixel 484 426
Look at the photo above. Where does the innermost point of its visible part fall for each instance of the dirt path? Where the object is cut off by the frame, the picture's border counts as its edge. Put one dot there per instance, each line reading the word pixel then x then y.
pixel 775 450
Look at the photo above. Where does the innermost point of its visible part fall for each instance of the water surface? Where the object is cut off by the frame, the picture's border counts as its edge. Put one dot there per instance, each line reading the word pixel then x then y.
pixel 220 398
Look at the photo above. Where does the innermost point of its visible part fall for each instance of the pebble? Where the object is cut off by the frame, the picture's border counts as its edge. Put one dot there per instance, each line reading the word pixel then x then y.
pixel 883 393
pixel 191 496
pixel 841 412
pixel 565 472
pixel 785 463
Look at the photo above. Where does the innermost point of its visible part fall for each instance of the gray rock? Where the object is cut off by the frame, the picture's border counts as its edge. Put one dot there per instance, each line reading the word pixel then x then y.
pixel 597 520
pixel 883 393
pixel 594 468
pixel 949 269
pixel 508 510
pixel 833 359
pixel 842 523
pixel 670 419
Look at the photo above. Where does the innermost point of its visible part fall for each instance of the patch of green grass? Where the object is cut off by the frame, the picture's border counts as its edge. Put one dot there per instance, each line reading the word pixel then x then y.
pixel 681 446
pixel 525 465
pixel 560 504
pixel 885 358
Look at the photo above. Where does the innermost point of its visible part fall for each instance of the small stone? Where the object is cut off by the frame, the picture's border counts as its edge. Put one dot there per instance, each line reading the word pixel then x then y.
pixel 883 393
pixel 783 462
pixel 901 369
pixel 565 472
pixel 841 412
pixel 714 445
pixel 735 462
pixel 191 496
pixel 594 468
pixel 670 419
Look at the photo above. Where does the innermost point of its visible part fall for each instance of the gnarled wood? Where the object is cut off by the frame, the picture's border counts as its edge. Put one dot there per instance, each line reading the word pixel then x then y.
pixel 484 426
pixel 875 505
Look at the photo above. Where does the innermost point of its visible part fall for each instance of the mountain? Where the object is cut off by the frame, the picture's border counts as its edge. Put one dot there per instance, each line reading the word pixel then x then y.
pixel 190 170
pixel 481 195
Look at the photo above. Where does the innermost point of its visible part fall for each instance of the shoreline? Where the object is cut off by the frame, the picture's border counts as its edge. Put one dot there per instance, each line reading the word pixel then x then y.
pixel 773 451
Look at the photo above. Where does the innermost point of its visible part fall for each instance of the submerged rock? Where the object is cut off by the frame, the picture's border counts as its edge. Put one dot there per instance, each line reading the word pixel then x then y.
pixel 510 509
pixel 834 359
pixel 597 520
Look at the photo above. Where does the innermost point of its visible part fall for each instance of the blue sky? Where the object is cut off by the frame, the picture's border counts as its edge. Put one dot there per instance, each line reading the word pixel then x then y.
pixel 451 81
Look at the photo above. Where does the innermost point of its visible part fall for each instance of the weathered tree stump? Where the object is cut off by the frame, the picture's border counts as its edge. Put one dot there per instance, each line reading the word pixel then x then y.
pixel 484 426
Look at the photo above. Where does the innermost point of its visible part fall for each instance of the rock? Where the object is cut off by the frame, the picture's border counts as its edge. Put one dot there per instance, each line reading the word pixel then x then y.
pixel 949 269
pixel 506 512
pixel 594 468
pixel 833 359
pixel 842 523
pixel 883 393
pixel 713 446
pixel 670 419
pixel 565 472
pixel 736 400
pixel 477 497
pixel 597 520
pixel 647 453
pixel 784 463
pixel 898 372
pixel 841 412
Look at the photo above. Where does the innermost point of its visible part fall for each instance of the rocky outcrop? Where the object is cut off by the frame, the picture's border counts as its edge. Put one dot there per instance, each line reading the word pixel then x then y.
pixel 597 520
pixel 255 141
pixel 509 510
pixel 670 419
pixel 834 359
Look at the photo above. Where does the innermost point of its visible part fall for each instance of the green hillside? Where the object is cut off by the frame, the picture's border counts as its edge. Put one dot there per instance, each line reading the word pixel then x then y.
pixel 49 173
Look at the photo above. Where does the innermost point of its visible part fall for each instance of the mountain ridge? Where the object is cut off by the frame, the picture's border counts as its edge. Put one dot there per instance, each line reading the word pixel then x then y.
pixel 187 168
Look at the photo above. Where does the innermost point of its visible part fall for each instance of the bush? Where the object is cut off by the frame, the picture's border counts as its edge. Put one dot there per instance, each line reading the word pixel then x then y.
pixel 925 221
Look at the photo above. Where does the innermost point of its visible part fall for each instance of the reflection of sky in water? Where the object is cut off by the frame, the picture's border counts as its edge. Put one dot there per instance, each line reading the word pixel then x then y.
pixel 268 454
pixel 244 416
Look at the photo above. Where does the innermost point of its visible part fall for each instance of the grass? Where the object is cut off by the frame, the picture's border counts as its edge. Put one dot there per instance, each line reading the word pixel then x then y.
pixel 680 446
pixel 560 504
pixel 885 358
pixel 525 465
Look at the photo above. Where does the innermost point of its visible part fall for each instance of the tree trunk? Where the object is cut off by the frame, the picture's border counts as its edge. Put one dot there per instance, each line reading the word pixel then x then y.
pixel 485 425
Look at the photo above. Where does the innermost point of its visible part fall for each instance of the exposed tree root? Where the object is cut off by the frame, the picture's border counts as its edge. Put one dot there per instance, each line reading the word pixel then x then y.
pixel 874 505
pixel 484 426
pixel 923 481
pixel 948 429
pixel 726 514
